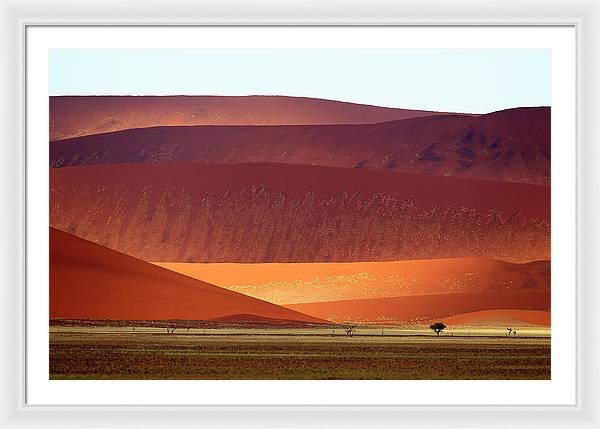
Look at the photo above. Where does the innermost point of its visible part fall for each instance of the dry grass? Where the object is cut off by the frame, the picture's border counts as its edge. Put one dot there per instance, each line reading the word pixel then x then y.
pixel 94 353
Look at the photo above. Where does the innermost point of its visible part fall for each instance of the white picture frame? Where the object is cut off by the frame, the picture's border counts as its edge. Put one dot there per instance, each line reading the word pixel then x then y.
pixel 16 17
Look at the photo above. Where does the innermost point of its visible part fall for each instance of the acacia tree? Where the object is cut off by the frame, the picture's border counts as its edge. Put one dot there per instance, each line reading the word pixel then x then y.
pixel 437 327
pixel 349 330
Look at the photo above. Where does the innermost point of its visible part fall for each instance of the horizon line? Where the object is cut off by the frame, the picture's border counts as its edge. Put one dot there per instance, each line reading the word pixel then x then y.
pixel 301 96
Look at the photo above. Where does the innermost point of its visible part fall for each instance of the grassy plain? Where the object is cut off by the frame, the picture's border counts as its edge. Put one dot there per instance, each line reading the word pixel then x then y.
pixel 237 354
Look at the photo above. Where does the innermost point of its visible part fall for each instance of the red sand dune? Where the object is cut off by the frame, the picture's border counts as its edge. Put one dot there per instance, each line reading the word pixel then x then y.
pixel 298 283
pixel 424 307
pixel 290 213
pixel 530 201
pixel 504 318
pixel 510 145
pixel 88 281
pixel 78 116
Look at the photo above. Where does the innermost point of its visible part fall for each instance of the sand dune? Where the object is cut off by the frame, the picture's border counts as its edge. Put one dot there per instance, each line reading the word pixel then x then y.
pixel 300 282
pixel 414 309
pixel 502 318
pixel 78 116
pixel 510 145
pixel 88 281
pixel 291 213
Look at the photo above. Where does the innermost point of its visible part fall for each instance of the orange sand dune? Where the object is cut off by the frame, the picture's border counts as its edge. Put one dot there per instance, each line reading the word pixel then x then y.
pixel 425 307
pixel 504 318
pixel 510 145
pixel 78 116
pixel 194 212
pixel 88 281
pixel 293 283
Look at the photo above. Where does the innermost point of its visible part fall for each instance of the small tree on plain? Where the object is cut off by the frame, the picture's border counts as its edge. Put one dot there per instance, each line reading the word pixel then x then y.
pixel 349 329
pixel 437 327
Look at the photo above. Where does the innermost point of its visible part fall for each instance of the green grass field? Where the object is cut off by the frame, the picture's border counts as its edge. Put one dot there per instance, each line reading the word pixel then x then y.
pixel 296 354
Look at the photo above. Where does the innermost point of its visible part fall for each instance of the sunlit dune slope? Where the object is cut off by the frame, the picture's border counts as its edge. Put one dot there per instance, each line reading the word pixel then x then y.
pixel 302 282
pixel 88 281
pixel 413 309
pixel 510 145
pixel 77 116
pixel 503 318
pixel 194 212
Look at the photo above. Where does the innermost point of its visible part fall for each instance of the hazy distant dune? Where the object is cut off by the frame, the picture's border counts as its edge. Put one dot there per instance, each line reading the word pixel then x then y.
pixel 510 145
pixel 72 116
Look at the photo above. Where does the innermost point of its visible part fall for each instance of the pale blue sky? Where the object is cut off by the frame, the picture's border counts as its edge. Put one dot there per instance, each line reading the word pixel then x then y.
pixel 456 80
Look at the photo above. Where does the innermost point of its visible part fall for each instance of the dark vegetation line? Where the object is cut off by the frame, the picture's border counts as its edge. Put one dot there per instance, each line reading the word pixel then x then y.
pixel 258 334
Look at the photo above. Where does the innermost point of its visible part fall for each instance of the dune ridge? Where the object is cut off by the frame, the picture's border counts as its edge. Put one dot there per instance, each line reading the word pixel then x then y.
pixel 88 281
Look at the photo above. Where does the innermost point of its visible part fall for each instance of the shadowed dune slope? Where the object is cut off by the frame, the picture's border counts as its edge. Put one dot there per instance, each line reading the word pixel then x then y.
pixel 502 318
pixel 291 213
pixel 298 282
pixel 424 307
pixel 88 281
pixel 509 145
pixel 78 116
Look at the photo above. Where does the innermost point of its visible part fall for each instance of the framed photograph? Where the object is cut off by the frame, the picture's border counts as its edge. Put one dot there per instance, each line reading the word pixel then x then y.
pixel 258 215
